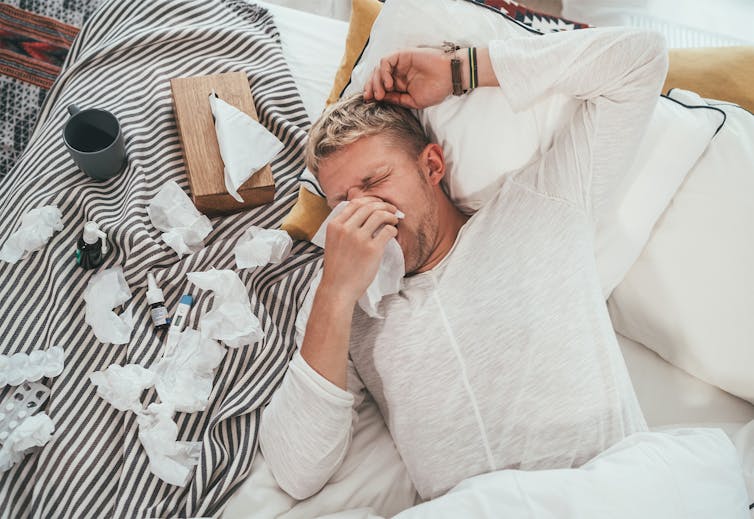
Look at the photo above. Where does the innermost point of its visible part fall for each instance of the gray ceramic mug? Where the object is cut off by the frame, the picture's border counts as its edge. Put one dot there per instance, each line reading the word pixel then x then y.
pixel 95 141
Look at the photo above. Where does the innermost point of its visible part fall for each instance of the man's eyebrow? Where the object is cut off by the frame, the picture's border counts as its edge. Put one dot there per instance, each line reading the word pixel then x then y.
pixel 375 172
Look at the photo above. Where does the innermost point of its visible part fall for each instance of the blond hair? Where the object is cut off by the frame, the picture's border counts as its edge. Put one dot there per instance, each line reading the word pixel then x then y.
pixel 352 118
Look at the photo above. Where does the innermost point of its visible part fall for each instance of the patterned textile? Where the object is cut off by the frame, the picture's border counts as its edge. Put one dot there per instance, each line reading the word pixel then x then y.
pixel 122 61
pixel 536 20
pixel 34 38
pixel 539 21
pixel 33 46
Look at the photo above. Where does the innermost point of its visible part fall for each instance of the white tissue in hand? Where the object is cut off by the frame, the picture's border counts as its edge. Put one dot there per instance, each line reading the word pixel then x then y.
pixel 183 227
pixel 105 291
pixel 245 145
pixel 230 319
pixel 169 460
pixel 20 367
pixel 184 379
pixel 389 275
pixel 34 431
pixel 37 227
pixel 258 247
pixel 122 386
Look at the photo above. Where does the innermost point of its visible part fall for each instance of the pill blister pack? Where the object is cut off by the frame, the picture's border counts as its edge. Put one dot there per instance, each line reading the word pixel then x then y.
pixel 25 401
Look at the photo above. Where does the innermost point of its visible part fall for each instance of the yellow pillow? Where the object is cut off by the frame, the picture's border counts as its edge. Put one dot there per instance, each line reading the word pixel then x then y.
pixel 363 14
pixel 306 215
pixel 724 73
pixel 311 210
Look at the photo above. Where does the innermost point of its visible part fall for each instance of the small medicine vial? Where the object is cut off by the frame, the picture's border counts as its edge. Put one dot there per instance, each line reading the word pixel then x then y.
pixel 156 301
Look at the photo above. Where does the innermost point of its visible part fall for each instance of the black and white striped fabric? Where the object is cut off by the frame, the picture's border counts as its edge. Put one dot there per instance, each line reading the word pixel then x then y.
pixel 122 61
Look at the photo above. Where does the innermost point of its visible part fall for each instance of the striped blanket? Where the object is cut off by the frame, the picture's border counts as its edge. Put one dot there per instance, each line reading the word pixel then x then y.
pixel 122 61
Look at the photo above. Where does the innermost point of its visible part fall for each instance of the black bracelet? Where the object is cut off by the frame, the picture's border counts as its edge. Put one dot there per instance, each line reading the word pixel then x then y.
pixel 473 74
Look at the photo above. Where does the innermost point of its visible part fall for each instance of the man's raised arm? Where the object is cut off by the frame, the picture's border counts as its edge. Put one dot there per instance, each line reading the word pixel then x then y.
pixel 617 72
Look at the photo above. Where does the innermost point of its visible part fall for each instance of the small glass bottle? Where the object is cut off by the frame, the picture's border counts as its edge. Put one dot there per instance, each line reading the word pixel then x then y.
pixel 156 301
pixel 91 247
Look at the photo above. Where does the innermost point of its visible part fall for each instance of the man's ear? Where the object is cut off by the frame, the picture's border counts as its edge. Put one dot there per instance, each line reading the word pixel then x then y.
pixel 432 160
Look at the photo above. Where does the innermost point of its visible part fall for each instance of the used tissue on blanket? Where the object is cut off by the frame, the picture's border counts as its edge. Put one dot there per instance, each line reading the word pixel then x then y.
pixel 245 145
pixel 183 226
pixel 258 247
pixel 169 460
pixel 34 431
pixel 184 379
pixel 37 227
pixel 230 320
pixel 20 367
pixel 106 290
pixel 391 271
pixel 122 386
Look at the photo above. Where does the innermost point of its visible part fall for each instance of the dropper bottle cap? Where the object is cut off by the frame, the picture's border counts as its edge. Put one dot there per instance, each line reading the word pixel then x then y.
pixel 92 233
pixel 154 294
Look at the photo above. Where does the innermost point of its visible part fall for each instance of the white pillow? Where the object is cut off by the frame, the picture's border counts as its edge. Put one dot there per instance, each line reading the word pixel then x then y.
pixel 483 138
pixel 690 295
pixel 684 473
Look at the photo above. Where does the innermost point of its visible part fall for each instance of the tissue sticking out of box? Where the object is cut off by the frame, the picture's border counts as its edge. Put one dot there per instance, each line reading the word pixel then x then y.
pixel 245 145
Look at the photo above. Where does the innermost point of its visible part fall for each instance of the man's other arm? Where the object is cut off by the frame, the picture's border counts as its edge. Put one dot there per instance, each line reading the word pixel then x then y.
pixel 306 429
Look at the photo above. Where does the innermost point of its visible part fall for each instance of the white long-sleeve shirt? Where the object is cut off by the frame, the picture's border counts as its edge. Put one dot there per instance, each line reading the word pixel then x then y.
pixel 503 355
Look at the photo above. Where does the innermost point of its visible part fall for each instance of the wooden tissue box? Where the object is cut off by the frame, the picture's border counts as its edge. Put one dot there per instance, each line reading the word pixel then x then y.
pixel 197 130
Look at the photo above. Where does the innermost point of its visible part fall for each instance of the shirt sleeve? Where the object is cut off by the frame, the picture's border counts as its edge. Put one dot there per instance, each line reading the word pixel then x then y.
pixel 306 428
pixel 617 73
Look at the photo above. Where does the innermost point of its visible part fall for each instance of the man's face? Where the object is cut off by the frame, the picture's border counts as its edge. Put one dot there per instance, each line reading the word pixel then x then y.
pixel 375 167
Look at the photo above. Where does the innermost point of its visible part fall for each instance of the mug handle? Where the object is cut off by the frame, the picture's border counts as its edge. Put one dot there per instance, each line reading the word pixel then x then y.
pixel 73 109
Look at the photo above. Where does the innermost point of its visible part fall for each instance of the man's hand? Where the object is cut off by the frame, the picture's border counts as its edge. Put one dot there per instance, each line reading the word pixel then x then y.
pixel 355 243
pixel 420 77
pixel 414 78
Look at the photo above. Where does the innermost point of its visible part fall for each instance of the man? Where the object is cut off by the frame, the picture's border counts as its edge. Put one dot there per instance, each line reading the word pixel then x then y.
pixel 498 351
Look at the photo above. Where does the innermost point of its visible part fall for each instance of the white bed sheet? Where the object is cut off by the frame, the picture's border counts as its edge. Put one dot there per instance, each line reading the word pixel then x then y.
pixel 373 477
pixel 313 47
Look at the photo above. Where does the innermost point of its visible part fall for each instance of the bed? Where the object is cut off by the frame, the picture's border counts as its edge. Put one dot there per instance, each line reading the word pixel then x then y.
pixel 95 466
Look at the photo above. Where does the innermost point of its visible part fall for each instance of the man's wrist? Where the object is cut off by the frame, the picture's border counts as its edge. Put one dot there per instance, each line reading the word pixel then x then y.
pixel 336 295
pixel 484 73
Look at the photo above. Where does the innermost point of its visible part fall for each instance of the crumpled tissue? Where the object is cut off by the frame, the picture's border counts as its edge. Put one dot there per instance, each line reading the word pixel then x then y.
pixel 389 275
pixel 230 320
pixel 258 247
pixel 184 379
pixel 183 226
pixel 37 227
pixel 106 290
pixel 122 386
pixel 169 460
pixel 20 367
pixel 245 145
pixel 34 431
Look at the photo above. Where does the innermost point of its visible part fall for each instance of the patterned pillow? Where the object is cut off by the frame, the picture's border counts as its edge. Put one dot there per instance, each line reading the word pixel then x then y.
pixel 536 20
